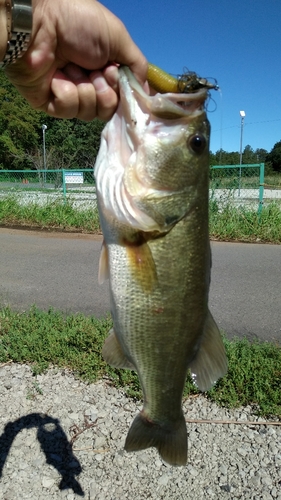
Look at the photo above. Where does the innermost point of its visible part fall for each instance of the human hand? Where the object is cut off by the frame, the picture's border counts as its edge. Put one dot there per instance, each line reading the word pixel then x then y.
pixel 69 69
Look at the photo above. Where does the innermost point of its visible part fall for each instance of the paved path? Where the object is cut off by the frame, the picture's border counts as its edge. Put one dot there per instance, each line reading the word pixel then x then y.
pixel 60 270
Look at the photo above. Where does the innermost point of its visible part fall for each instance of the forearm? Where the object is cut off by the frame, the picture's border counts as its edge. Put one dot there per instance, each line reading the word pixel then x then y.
pixel 3 29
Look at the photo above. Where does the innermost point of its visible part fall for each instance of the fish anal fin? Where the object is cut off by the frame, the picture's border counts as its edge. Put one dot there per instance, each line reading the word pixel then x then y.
pixel 141 263
pixel 113 354
pixel 170 440
pixel 210 362
pixel 103 265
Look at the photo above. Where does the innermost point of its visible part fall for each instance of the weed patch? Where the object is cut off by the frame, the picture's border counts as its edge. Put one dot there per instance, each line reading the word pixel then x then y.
pixel 241 224
pixel 227 224
pixel 75 342
pixel 52 215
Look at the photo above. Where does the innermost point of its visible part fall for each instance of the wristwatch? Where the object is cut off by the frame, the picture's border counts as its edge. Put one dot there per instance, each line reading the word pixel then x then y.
pixel 19 27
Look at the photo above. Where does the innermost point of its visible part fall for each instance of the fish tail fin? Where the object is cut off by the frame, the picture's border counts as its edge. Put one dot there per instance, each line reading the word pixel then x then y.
pixel 210 362
pixel 170 440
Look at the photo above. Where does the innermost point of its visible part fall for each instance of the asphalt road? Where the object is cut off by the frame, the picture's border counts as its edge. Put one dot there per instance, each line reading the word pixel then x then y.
pixel 60 270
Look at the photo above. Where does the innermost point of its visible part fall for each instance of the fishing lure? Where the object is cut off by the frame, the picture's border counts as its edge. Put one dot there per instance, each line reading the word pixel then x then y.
pixel 186 83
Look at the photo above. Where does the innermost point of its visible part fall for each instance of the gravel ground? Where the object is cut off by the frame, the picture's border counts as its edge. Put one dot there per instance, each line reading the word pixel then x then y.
pixel 63 439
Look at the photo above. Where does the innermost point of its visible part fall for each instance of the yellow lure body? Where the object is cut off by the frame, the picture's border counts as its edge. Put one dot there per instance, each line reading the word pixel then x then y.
pixel 161 81
pixel 186 83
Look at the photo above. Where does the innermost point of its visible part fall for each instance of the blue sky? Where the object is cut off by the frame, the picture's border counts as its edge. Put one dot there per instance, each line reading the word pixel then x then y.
pixel 238 42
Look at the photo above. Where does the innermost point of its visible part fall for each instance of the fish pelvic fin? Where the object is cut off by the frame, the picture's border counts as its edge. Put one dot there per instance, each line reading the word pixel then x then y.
pixel 170 441
pixel 113 354
pixel 210 362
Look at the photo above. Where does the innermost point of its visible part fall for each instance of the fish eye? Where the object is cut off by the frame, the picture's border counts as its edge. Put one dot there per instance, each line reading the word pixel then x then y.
pixel 197 143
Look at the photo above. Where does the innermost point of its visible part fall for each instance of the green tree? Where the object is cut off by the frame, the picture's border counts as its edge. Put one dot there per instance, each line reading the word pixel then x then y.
pixel 69 143
pixel 274 157
pixel 19 127
pixel 75 144
pixel 261 155
pixel 222 157
pixel 249 155
pixel 212 159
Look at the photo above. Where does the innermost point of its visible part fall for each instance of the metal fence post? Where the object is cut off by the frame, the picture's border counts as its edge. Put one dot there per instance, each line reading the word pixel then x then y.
pixel 261 188
pixel 63 186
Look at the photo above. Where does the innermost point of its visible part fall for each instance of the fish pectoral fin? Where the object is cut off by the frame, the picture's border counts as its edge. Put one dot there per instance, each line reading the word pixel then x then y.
pixel 103 265
pixel 142 265
pixel 170 440
pixel 210 362
pixel 113 354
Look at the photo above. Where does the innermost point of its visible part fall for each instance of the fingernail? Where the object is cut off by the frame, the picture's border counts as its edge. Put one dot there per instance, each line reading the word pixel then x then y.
pixel 100 84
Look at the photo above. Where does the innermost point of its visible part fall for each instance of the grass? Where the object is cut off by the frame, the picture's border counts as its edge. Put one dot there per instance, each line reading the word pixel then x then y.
pixel 44 338
pixel 242 224
pixel 75 341
pixel 52 215
pixel 231 223
pixel 231 180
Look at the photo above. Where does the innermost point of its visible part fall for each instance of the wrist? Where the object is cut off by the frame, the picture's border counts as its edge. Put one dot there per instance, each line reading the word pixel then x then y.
pixel 3 30
pixel 18 29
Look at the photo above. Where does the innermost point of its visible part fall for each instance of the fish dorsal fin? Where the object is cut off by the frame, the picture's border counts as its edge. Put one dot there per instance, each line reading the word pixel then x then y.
pixel 103 264
pixel 210 362
pixel 113 354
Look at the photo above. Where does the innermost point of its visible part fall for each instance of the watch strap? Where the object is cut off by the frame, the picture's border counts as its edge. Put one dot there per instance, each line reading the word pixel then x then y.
pixel 19 27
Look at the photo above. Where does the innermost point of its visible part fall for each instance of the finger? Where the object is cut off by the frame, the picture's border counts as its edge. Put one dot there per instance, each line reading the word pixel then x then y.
pixel 111 75
pixel 122 49
pixel 74 95
pixel 139 67
pixel 86 92
pixel 106 96
pixel 64 100
pixel 127 52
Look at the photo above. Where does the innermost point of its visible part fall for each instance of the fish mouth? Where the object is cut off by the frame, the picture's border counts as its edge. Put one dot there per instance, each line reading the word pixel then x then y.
pixel 170 106
pixel 140 109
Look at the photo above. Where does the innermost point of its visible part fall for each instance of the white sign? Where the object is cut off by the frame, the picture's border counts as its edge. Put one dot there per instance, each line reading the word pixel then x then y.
pixel 74 178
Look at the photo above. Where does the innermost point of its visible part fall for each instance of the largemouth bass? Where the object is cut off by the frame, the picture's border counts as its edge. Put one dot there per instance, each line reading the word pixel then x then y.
pixel 152 176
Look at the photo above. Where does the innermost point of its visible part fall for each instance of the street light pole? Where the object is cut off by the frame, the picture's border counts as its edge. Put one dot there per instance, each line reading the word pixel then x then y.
pixel 242 114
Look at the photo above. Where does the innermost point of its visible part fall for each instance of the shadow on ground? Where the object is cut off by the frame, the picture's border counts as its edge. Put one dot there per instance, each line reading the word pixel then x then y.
pixel 54 444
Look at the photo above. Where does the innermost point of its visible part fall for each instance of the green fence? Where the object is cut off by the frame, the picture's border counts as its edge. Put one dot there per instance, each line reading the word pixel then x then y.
pixel 44 186
pixel 240 185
